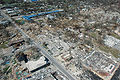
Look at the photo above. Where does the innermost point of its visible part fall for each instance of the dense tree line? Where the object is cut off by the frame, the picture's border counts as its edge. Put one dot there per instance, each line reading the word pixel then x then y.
pixel 9 1
pixel 5 1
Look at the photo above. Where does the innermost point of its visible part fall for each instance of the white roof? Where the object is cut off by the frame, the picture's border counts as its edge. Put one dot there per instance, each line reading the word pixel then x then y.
pixel 111 41
pixel 31 65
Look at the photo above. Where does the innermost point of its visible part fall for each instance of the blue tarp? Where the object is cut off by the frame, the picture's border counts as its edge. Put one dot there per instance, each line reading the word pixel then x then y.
pixel 7 62
pixel 39 14
pixel 32 16
pixel 34 0
pixel 27 18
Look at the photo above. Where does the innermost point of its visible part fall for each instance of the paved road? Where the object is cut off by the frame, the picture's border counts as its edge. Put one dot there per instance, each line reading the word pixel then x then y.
pixel 45 53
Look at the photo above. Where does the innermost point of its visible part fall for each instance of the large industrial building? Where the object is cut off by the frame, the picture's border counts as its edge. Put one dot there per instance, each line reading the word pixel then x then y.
pixel 101 65
pixel 36 65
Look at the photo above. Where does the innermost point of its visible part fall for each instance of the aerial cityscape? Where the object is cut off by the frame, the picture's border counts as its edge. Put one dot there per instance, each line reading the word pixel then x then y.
pixel 59 39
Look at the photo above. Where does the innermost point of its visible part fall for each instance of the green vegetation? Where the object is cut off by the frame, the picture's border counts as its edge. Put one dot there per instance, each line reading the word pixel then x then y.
pixel 10 70
pixel 93 35
pixel 45 45
pixel 107 49
pixel 3 46
pixel 6 1
pixel 6 42
pixel 21 22
pixel 115 35
pixel 49 6
pixel 5 69
pixel 14 61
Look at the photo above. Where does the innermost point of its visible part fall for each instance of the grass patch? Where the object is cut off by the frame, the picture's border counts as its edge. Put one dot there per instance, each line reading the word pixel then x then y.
pixel 4 45
pixel 107 49
pixel 115 35
pixel 94 35
pixel 21 22
pixel 5 69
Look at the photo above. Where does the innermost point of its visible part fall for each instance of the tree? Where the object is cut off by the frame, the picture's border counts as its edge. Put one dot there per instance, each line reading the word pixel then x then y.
pixel 6 1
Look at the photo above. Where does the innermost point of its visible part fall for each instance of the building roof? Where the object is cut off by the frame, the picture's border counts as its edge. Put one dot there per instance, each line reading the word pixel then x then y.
pixel 32 65
pixel 39 14
pixel 101 65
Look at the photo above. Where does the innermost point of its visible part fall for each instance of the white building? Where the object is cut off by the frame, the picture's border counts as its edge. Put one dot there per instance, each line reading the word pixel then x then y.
pixel 32 65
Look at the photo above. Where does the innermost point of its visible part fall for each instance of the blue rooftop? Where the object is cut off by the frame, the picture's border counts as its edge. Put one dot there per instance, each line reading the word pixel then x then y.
pixel 39 14
pixel 34 0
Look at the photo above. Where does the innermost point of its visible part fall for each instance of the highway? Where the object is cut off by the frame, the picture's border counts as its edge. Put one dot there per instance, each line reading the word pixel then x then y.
pixel 44 51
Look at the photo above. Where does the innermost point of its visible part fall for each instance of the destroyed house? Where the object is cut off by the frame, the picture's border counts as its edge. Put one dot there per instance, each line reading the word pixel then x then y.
pixel 4 22
pixel 16 42
pixel 102 65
